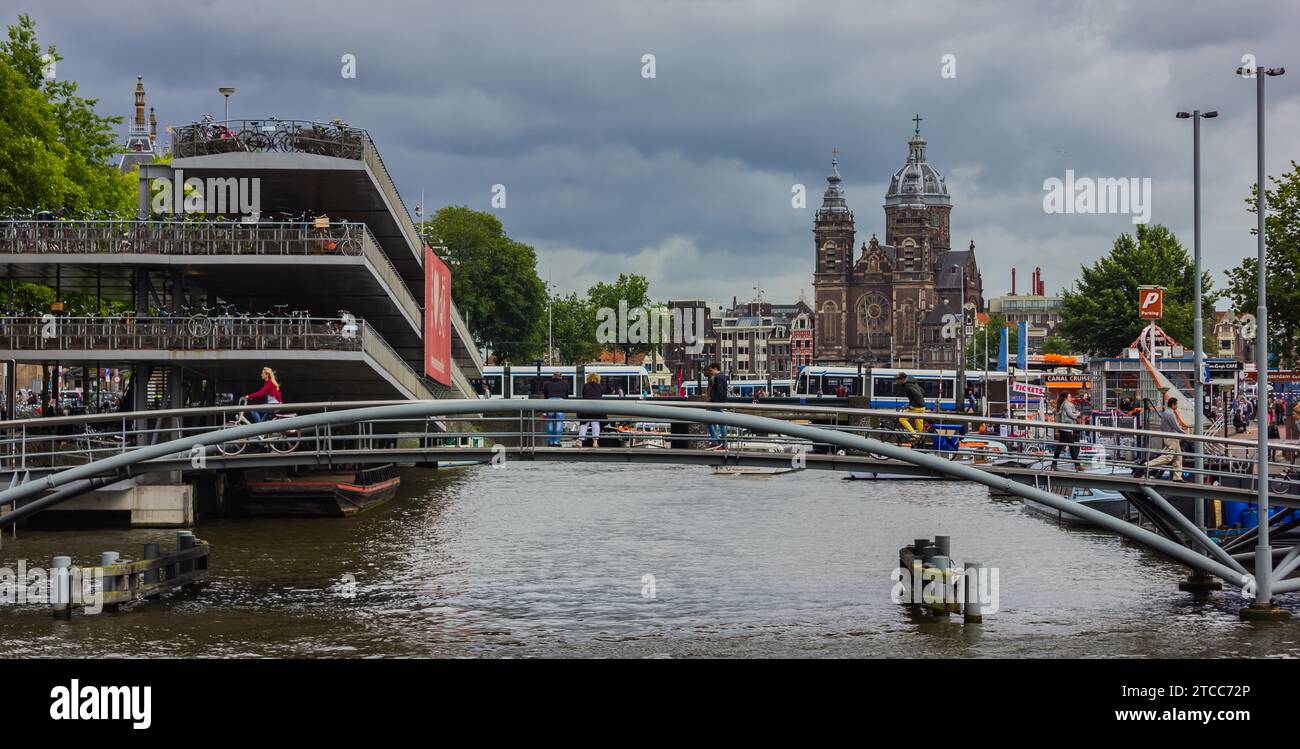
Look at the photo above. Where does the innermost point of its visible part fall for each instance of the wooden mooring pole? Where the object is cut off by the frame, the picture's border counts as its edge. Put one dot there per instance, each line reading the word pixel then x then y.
pixel 115 582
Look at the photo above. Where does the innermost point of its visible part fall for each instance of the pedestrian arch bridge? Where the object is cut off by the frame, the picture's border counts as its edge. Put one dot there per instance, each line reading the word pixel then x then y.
pixel 47 461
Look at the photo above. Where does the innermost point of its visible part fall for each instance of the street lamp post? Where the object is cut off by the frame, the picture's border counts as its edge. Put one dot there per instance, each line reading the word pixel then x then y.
pixel 1198 326
pixel 1263 606
pixel 984 395
pixel 959 397
pixel 226 91
pixel 550 321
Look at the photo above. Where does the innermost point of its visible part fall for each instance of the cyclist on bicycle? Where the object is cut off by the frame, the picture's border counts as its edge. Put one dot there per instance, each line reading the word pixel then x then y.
pixel 270 391
pixel 915 403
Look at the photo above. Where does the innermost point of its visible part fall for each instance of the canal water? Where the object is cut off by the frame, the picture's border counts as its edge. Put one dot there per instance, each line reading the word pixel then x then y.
pixel 545 560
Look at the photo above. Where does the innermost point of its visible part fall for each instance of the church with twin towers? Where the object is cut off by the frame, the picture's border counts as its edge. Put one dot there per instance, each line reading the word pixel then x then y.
pixel 885 303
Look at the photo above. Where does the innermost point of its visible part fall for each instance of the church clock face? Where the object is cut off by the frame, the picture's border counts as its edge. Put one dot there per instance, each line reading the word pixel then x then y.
pixel 874 310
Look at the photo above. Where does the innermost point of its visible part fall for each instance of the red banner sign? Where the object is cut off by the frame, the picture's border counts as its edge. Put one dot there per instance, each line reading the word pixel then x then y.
pixel 437 318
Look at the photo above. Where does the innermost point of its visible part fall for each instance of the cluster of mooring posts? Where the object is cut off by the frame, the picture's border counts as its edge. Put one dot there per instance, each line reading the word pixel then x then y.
pixel 932 582
pixel 115 582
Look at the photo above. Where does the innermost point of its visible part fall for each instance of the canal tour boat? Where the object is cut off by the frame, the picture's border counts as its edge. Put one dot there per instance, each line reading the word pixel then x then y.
pixel 323 493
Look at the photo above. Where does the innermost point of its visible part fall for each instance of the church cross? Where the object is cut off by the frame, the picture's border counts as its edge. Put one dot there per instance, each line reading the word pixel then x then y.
pixel 917 120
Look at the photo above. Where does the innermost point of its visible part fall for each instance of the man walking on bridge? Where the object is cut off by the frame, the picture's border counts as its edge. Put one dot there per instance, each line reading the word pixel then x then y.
pixel 1170 421
pixel 717 394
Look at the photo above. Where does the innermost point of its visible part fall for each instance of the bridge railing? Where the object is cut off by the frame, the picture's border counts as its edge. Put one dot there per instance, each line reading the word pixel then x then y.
pixel 180 333
pixel 182 237
pixel 35 444
pixel 292 136
pixel 208 238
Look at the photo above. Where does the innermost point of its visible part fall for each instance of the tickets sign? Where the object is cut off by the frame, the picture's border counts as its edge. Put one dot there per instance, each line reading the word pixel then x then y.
pixel 1027 389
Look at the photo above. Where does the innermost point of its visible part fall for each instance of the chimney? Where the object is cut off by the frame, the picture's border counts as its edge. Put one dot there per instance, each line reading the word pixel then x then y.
pixel 1013 282
pixel 153 126
pixel 1038 281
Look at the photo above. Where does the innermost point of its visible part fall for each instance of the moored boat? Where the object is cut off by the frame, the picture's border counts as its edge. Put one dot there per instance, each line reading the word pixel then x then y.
pixel 323 493
pixel 1110 502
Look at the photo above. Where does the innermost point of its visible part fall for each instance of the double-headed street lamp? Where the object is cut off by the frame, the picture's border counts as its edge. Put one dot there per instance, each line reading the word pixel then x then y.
pixel 1198 331
pixel 1263 606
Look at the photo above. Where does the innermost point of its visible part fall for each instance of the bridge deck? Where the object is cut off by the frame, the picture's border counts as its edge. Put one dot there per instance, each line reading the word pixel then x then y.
pixel 750 458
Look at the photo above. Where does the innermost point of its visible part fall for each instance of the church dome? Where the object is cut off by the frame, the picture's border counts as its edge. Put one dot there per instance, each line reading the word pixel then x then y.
pixel 917 183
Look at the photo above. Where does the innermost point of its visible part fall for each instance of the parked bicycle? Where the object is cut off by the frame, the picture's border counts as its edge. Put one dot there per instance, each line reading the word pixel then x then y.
pixel 1286 483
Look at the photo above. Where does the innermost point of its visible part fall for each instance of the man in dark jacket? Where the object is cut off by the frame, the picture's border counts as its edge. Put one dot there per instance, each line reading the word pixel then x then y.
pixel 555 388
pixel 717 394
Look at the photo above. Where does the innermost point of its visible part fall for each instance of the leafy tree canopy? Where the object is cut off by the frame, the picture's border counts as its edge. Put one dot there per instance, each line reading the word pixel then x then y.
pixel 54 148
pixel 494 283
pixel 574 328
pixel 1100 315
pixel 630 290
pixel 1281 265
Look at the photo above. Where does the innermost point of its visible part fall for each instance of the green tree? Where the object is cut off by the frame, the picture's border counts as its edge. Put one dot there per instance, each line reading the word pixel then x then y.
pixel 35 299
pixel 1281 265
pixel 631 291
pixel 1100 316
pixel 574 328
pixel 494 283
pixel 1054 344
pixel 54 148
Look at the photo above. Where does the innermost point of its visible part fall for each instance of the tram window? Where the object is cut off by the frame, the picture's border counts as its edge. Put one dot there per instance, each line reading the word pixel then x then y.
pixel 493 383
pixel 850 384
pixel 931 389
pixel 528 384
pixel 614 383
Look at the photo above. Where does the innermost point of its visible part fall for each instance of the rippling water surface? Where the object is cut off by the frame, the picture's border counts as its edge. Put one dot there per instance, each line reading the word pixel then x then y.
pixel 537 560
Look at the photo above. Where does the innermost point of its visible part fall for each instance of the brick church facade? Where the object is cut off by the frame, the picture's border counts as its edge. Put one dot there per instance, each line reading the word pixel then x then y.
pixel 887 305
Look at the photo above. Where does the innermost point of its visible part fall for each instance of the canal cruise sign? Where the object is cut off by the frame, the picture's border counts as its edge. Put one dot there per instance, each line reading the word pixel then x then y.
pixel 437 317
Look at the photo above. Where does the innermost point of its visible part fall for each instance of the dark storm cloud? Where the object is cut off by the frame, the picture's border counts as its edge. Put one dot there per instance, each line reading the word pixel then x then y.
pixel 687 177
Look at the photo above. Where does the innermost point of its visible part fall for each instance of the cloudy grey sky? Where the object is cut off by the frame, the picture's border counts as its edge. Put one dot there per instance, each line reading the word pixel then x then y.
pixel 686 178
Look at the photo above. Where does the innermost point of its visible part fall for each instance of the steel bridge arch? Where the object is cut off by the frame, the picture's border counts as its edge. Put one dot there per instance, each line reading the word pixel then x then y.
pixel 85 475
